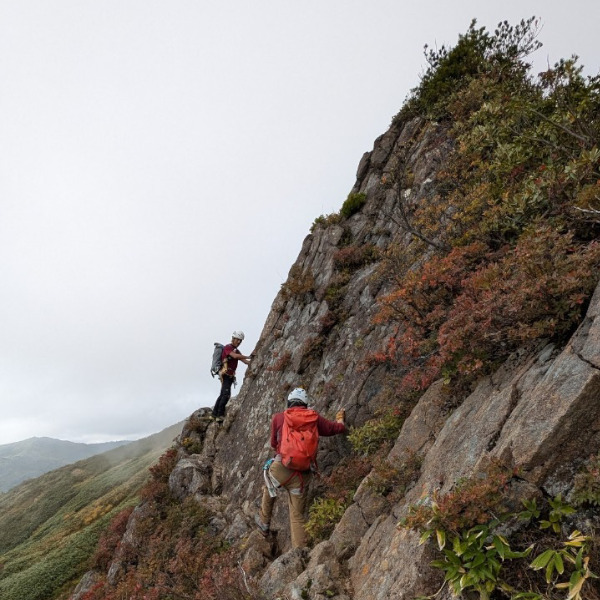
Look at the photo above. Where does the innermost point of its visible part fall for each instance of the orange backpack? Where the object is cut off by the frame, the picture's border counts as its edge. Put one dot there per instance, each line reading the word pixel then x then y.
pixel 299 438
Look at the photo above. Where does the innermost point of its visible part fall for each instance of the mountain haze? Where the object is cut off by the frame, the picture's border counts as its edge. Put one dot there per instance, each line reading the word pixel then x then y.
pixel 50 526
pixel 31 458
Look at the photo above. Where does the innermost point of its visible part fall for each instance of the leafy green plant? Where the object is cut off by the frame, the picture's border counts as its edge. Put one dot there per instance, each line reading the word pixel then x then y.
pixel 473 558
pixel 531 510
pixel 480 558
pixel 553 563
pixel 323 515
pixel 558 511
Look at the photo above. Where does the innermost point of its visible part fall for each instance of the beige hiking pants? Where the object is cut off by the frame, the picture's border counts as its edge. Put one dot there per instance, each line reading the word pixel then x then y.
pixel 296 485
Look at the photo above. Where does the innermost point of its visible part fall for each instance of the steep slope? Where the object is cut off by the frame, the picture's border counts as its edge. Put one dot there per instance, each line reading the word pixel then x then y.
pixel 450 308
pixel 35 456
pixel 50 526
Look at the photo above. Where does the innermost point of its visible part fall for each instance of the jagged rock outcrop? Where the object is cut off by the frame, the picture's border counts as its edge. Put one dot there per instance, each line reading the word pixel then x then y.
pixel 539 411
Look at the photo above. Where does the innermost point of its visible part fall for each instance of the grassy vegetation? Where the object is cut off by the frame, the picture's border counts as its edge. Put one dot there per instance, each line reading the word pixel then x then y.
pixel 506 251
pixel 50 526
pixel 489 550
pixel 174 552
pixel 353 204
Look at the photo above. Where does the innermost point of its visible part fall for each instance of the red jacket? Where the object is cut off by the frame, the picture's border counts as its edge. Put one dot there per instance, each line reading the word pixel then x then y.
pixel 324 427
pixel 232 363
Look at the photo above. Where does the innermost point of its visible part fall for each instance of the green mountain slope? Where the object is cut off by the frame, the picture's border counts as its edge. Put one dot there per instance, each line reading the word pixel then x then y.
pixel 49 526
pixel 35 456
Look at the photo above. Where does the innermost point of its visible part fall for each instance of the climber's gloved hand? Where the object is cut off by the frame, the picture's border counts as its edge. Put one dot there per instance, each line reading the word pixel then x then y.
pixel 340 415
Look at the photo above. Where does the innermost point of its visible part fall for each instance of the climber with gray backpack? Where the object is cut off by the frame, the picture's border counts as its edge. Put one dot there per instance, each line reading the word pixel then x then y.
pixel 224 364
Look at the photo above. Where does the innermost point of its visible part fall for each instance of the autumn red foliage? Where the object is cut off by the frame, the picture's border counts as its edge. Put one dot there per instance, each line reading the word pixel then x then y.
pixel 110 540
pixel 505 251
pixel 172 551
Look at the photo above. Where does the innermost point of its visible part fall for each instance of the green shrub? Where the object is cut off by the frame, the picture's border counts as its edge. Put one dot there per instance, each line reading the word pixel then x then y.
pixel 324 514
pixel 473 560
pixel 335 293
pixel 477 52
pixel 369 438
pixel 449 69
pixel 353 204
pixel 586 488
pixel 192 445
pixel 325 221
pixel 340 487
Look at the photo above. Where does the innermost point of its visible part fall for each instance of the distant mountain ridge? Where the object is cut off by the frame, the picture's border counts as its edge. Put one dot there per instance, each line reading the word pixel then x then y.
pixel 35 456
pixel 50 526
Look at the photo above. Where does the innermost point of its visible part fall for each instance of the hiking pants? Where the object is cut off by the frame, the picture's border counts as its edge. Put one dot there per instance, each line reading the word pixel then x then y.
pixel 219 409
pixel 296 485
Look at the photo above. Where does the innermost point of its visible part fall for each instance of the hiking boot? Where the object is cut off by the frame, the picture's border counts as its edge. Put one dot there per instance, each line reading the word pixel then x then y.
pixel 263 528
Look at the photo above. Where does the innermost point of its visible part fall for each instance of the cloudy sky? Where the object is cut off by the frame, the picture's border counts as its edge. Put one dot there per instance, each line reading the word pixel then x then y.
pixel 160 165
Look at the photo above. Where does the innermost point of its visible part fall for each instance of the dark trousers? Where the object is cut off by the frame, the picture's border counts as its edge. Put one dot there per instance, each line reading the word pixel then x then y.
pixel 219 409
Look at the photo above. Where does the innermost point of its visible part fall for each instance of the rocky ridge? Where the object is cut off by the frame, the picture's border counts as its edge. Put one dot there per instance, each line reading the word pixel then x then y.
pixel 540 410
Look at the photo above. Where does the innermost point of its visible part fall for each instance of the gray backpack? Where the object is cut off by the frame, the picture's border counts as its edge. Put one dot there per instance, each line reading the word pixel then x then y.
pixel 217 363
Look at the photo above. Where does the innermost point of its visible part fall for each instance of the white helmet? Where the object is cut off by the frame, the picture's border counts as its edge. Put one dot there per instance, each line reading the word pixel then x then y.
pixel 238 335
pixel 298 395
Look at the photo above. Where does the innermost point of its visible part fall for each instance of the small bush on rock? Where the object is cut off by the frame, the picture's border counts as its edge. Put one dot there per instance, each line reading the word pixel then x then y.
pixel 352 204
pixel 586 488
pixel 324 514
pixel 298 283
pixel 392 478
pixel 369 438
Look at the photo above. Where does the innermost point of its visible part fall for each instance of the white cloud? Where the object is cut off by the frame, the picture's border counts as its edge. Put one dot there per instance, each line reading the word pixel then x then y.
pixel 160 165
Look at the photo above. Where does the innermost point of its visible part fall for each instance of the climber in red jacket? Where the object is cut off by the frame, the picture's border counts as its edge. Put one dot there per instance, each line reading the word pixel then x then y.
pixel 294 437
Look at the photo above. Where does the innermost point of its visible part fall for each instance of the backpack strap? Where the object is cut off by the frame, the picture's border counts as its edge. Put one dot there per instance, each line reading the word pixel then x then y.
pixel 294 473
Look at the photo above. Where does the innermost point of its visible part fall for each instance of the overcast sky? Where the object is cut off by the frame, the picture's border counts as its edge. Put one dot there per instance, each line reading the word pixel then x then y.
pixel 160 165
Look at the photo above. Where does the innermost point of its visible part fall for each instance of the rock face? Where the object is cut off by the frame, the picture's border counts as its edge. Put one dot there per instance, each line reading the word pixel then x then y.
pixel 540 410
